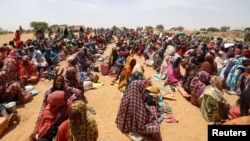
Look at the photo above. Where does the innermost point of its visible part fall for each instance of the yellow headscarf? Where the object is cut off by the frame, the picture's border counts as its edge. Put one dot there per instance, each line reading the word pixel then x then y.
pixel 127 65
pixel 87 131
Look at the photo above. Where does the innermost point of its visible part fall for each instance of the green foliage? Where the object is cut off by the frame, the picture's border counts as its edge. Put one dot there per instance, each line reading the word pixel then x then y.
pixel 2 31
pixel 160 28
pixel 213 29
pixel 35 25
pixel 247 28
pixel 54 26
pixel 114 28
pixel 225 28
pixel 149 28
pixel 179 28
pixel 203 29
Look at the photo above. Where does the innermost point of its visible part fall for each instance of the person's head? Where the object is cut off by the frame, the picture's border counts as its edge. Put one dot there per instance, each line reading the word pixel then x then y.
pixel 77 115
pixel 209 58
pixel 48 50
pixel 38 54
pixel 70 73
pixel 246 53
pixel 57 99
pixel 58 82
pixel 135 76
pixel 132 63
pixel 237 51
pixel 25 60
pixel 177 59
pixel 218 82
pixel 17 31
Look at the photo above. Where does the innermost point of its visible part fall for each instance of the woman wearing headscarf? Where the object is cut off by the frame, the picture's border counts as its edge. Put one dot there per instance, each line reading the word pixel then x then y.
pixel 125 73
pixel 53 115
pixel 243 82
pixel 79 127
pixel 10 84
pixel 14 55
pixel 197 86
pixel 191 69
pixel 168 54
pixel 234 73
pixel 72 80
pixel 29 72
pixel 59 84
pixel 213 104
pixel 51 57
pixel 225 70
pixel 135 115
pixel 40 62
pixel 173 70
pixel 209 65
pixel 220 60
pixel 84 62
pixel 72 62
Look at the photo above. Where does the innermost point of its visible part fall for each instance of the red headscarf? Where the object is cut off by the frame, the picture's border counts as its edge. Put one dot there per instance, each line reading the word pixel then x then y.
pixel 57 102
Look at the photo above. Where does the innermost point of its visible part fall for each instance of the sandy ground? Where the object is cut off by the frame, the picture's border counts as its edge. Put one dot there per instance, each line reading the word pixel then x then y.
pixel 106 100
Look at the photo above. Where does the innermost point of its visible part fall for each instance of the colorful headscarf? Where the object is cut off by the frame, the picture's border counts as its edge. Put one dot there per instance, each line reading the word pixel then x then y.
pixel 127 65
pixel 87 130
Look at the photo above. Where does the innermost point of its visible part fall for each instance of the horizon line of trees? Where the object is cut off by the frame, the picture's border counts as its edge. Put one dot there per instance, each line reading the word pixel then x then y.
pixel 35 24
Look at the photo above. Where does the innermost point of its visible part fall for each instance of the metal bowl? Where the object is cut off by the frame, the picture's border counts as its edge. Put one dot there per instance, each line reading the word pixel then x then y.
pixel 11 107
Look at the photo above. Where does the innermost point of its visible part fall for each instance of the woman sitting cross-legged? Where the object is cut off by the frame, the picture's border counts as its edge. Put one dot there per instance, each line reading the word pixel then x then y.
pixel 29 72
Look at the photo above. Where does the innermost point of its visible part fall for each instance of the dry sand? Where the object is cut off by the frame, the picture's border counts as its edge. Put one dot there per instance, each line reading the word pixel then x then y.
pixel 106 101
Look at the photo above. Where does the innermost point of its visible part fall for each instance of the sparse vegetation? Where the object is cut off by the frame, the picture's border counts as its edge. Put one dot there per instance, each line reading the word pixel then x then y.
pixel 160 28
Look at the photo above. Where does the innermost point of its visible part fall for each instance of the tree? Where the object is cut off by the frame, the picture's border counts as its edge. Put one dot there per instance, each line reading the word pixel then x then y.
pixel 114 28
pixel 180 28
pixel 225 28
pixel 54 26
pixel 149 28
pixel 160 28
pixel 213 29
pixel 35 25
pixel 203 29
pixel 247 28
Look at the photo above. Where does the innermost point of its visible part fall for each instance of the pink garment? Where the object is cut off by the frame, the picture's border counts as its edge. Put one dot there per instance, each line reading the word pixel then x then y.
pixel 173 75
pixel 56 103
pixel 234 112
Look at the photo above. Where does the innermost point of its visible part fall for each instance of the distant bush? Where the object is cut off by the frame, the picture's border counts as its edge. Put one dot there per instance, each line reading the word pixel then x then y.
pixel 213 29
